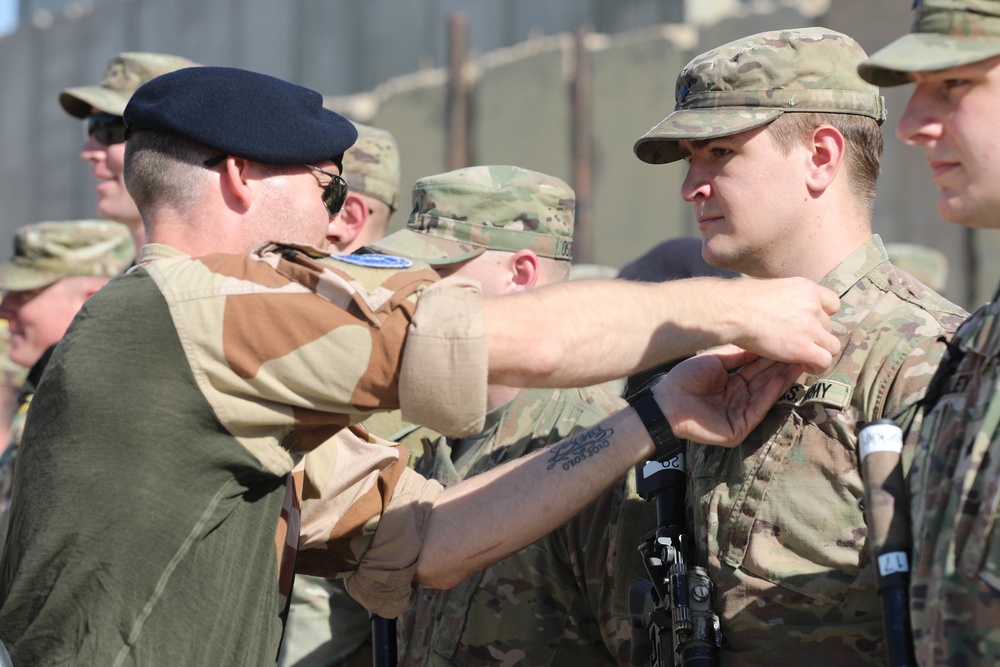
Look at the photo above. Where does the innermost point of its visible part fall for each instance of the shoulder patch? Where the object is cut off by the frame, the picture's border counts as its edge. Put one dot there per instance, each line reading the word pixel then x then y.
pixel 375 261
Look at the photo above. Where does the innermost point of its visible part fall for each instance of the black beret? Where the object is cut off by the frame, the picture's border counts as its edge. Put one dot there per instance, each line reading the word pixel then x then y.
pixel 241 113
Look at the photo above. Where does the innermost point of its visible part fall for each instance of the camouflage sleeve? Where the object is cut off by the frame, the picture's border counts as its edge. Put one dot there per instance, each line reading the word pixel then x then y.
pixel 363 515
pixel 285 341
pixel 593 541
pixel 909 384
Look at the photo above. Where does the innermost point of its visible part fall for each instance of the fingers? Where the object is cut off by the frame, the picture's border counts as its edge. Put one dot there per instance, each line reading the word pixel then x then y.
pixel 794 324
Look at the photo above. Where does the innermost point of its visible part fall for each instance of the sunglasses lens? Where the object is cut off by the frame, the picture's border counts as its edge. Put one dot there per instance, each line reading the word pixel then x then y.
pixel 105 128
pixel 334 195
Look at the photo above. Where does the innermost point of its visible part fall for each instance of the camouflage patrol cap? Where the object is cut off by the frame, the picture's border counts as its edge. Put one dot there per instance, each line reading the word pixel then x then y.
pixel 460 214
pixel 750 82
pixel 371 165
pixel 125 73
pixel 945 33
pixel 48 251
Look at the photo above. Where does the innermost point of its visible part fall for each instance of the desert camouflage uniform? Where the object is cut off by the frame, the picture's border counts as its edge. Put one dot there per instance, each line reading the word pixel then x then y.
pixel 955 479
pixel 779 517
pixel 246 362
pixel 552 602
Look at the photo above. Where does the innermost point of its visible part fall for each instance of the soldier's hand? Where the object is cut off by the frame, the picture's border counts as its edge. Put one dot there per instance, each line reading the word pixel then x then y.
pixel 705 401
pixel 787 319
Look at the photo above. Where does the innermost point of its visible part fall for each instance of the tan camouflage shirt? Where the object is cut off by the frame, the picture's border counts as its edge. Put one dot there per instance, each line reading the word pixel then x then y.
pixel 777 519
pixel 551 603
pixel 955 502
pixel 156 455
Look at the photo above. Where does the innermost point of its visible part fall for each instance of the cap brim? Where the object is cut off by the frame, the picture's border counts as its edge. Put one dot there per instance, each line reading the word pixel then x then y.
pixel 659 145
pixel 924 52
pixel 427 248
pixel 79 101
pixel 14 278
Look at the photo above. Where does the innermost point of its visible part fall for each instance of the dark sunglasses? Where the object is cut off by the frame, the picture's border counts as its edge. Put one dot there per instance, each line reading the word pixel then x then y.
pixel 334 192
pixel 105 128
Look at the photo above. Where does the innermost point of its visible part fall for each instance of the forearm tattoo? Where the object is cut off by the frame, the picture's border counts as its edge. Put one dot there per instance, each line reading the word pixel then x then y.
pixel 579 448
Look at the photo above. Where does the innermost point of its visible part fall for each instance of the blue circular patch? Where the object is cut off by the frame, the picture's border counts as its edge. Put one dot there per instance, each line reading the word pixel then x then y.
pixel 375 261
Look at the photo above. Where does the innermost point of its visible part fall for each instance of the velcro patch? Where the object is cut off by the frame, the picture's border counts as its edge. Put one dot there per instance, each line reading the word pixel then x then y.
pixel 375 261
pixel 828 393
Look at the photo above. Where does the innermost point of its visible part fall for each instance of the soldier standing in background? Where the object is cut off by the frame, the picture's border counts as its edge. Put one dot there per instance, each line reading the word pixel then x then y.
pixel 782 184
pixel 100 108
pixel 952 55
pixel 371 170
pixel 56 267
pixel 552 602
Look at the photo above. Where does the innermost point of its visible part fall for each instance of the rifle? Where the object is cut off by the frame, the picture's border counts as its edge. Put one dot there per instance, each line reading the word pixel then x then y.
pixel 881 444
pixel 673 621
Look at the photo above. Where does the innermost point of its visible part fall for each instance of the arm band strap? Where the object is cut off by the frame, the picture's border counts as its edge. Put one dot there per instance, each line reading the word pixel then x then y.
pixel 666 443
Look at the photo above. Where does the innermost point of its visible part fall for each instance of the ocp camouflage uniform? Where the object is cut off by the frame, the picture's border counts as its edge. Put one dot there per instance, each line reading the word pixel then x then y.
pixel 955 492
pixel 778 519
pixel 955 478
pixel 552 603
pixel 234 405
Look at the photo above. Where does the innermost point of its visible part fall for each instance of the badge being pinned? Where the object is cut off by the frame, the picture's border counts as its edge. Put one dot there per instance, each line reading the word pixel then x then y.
pixel 375 261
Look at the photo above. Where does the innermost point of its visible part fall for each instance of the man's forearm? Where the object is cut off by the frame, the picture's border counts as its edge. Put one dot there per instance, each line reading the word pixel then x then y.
pixel 721 398
pixel 485 518
pixel 585 332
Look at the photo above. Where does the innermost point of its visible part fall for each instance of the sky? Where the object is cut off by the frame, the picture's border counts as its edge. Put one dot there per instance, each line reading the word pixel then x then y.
pixel 8 16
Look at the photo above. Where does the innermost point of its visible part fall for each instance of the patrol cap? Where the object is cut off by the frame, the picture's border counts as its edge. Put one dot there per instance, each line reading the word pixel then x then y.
pixel 460 214
pixel 371 165
pixel 241 113
pixel 48 251
pixel 750 82
pixel 125 73
pixel 945 33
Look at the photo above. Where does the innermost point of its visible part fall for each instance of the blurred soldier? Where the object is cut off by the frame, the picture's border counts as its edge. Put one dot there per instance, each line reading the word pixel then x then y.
pixel 56 267
pixel 782 184
pixel 550 603
pixel 952 55
pixel 326 626
pixel 928 265
pixel 173 519
pixel 101 107
pixel 371 170
pixel 11 377
pixel 673 259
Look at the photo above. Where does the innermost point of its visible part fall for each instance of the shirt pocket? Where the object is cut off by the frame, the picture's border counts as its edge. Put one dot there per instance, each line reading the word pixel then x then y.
pixel 796 520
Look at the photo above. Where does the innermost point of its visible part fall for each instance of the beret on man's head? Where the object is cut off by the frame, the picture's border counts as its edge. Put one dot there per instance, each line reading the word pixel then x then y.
pixel 241 113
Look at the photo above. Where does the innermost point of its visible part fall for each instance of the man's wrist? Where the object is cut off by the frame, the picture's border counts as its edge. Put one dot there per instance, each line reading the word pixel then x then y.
pixel 666 444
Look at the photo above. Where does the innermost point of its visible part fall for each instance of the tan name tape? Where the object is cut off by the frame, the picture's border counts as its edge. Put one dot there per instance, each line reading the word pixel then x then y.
pixel 824 392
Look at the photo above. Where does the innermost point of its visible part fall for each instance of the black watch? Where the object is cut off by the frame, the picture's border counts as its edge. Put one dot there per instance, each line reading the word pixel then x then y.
pixel 666 443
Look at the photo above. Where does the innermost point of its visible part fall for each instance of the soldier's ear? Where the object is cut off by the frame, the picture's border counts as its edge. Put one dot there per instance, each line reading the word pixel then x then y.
pixel 353 218
pixel 525 268
pixel 826 157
